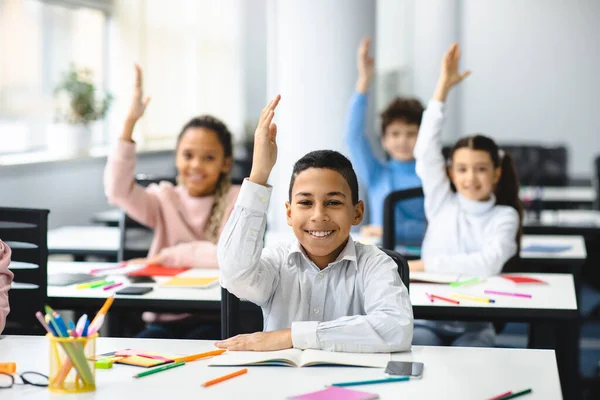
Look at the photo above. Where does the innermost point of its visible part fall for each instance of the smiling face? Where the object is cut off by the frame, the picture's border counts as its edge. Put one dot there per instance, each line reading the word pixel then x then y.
pixel 473 173
pixel 321 213
pixel 399 140
pixel 200 161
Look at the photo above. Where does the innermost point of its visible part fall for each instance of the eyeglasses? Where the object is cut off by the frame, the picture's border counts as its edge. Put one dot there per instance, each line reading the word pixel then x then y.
pixel 29 378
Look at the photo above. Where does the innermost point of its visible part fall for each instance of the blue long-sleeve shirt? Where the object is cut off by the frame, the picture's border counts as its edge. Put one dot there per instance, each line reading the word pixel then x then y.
pixel 383 177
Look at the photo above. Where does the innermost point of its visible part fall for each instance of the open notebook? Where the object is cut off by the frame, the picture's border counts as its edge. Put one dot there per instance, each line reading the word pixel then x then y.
pixel 432 277
pixel 301 358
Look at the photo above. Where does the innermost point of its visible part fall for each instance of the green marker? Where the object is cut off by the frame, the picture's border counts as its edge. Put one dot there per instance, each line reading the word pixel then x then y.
pixel 463 283
pixel 98 284
pixel 373 381
pixel 158 369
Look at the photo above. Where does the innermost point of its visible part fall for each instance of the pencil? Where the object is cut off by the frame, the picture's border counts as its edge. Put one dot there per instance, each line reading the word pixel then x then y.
pixel 372 381
pixel 159 369
pixel 225 377
pixel 195 357
pixel 501 396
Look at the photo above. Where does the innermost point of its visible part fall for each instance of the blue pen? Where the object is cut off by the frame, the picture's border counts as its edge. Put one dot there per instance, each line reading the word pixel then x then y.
pixel 54 326
pixel 61 324
pixel 384 380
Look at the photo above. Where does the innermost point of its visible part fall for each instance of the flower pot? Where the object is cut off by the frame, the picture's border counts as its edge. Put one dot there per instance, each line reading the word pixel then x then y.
pixel 69 139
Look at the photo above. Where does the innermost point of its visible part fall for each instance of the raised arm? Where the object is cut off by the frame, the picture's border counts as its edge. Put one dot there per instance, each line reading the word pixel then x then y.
pixel 245 269
pixel 431 166
pixel 6 277
pixel 361 152
pixel 119 175
pixel 386 327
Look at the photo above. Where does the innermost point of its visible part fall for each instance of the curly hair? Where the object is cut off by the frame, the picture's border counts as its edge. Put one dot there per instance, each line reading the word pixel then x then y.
pixel 408 110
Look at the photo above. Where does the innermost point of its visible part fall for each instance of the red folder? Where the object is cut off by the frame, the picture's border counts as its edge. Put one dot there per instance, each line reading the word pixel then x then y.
pixel 158 270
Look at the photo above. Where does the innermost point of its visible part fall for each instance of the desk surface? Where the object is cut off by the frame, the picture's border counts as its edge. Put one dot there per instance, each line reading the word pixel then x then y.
pixel 452 372
pixel 556 298
pixel 95 239
pixel 577 194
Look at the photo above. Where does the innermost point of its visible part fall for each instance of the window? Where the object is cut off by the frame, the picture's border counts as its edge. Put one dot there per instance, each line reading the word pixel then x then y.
pixel 38 42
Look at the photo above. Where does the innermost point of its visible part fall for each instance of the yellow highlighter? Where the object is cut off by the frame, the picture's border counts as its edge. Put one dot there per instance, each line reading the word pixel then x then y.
pixel 88 284
pixel 472 298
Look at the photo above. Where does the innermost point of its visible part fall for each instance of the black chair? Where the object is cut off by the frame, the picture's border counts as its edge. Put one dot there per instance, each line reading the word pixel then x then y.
pixel 25 231
pixel 536 165
pixel 389 213
pixel 230 304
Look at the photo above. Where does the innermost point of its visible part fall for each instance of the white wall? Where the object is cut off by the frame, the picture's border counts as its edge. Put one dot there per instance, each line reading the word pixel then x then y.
pixel 536 73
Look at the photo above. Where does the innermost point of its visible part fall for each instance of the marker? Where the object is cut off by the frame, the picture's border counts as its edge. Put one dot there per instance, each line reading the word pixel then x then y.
pixel 515 395
pixel 112 286
pixel 508 293
pixel 465 283
pixel 195 357
pixel 435 296
pixel 225 377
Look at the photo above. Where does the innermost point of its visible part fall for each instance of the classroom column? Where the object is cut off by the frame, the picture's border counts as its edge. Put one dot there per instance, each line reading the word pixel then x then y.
pixel 436 25
pixel 311 62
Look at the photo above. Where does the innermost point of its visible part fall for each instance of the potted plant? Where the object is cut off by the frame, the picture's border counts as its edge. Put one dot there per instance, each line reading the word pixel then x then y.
pixel 77 105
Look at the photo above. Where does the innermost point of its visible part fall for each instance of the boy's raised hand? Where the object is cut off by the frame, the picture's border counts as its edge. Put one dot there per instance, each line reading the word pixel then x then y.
pixel 366 66
pixel 265 145
pixel 138 102
pixel 449 73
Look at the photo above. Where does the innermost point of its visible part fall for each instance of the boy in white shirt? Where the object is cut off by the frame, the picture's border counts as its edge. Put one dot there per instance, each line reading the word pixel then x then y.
pixel 322 291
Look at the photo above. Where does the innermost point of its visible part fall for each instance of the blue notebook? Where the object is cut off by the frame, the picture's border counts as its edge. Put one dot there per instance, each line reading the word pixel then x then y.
pixel 546 248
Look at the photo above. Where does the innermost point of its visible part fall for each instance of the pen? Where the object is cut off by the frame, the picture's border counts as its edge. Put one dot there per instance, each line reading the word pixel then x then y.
pixel 112 286
pixel 472 298
pixel 435 296
pixel 515 395
pixel 500 396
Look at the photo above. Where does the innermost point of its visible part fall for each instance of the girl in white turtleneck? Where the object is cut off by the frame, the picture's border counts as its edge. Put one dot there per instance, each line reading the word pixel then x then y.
pixel 472 208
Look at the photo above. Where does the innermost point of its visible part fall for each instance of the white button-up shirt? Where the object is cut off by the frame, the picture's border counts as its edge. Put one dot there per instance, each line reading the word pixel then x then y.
pixel 356 304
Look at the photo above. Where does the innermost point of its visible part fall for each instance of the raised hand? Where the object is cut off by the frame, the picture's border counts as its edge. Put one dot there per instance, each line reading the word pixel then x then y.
pixel 366 66
pixel 449 73
pixel 265 144
pixel 138 102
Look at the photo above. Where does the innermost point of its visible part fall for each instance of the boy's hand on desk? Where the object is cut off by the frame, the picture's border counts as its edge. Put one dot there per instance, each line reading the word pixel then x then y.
pixel 416 266
pixel 259 341
pixel 265 145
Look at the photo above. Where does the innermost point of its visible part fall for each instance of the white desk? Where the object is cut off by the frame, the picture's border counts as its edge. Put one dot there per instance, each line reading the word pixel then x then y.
pixel 565 222
pixel 575 252
pixel 566 194
pixel 450 373
pixel 95 240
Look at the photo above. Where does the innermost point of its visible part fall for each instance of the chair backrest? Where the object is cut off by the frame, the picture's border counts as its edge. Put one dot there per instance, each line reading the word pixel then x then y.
pixel 596 181
pixel 389 213
pixel 536 165
pixel 230 304
pixel 135 238
pixel 25 231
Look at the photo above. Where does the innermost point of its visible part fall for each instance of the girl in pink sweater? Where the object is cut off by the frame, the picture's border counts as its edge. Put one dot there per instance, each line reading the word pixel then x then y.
pixel 187 219
pixel 6 278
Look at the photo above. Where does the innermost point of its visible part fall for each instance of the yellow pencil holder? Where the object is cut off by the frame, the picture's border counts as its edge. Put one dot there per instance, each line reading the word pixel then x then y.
pixel 72 369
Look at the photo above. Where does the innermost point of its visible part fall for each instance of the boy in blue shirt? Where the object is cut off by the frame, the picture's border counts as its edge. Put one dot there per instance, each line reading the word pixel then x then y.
pixel 323 290
pixel 399 125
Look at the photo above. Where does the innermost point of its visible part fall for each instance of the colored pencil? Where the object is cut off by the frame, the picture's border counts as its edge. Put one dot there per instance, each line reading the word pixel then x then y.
pixel 508 293
pixel 465 282
pixel 159 369
pixel 500 396
pixel 472 298
pixel 195 357
pixel 435 296
pixel 515 395
pixel 373 381
pixel 225 377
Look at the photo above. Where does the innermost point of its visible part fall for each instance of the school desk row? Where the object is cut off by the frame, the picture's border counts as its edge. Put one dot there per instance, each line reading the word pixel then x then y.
pixel 449 373
pixel 553 198
pixel 552 310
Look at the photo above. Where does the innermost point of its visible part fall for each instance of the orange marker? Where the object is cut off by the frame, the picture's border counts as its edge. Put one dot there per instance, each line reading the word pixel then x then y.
pixel 225 377
pixel 195 357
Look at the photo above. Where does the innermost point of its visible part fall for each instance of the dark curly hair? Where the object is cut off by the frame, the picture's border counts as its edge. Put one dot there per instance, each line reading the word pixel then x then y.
pixel 408 110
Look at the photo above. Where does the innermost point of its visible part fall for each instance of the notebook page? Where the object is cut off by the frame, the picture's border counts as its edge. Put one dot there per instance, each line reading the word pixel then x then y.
pixel 315 357
pixel 290 357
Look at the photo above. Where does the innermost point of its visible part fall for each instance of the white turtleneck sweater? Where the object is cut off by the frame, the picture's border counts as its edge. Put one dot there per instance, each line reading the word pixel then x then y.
pixel 463 236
